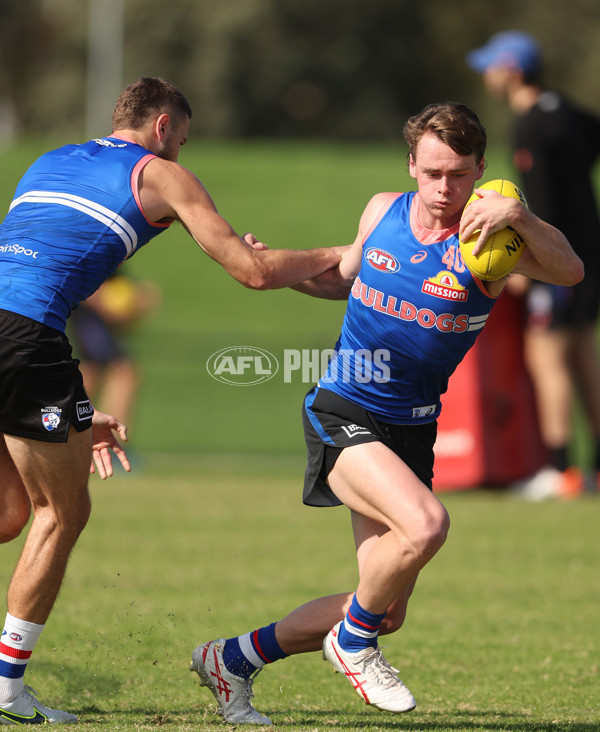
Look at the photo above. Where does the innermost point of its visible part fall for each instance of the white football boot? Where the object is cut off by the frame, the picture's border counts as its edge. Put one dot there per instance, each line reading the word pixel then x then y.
pixel 26 709
pixel 232 693
pixel 371 676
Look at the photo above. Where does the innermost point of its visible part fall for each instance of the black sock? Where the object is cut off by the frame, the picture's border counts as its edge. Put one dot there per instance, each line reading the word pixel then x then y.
pixel 558 458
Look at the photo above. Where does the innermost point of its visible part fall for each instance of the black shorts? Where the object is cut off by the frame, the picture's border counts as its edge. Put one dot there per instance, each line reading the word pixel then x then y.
pixel 41 388
pixel 332 423
pixel 553 306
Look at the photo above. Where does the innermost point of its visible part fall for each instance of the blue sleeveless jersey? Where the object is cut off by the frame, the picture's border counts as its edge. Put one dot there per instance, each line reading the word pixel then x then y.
pixel 73 220
pixel 413 313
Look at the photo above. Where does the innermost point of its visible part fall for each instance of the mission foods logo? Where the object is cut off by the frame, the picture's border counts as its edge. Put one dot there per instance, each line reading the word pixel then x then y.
pixel 445 286
pixel 242 365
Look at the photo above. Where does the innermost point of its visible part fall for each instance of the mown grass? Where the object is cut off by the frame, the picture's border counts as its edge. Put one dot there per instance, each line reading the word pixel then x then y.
pixel 502 631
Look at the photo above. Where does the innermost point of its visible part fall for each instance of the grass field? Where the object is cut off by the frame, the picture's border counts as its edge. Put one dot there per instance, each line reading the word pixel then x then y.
pixel 502 631
pixel 208 537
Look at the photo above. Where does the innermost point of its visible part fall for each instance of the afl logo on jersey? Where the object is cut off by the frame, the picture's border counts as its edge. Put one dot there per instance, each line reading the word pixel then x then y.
pixel 382 260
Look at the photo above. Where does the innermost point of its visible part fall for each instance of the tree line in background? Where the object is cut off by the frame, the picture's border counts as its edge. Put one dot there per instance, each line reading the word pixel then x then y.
pixel 336 69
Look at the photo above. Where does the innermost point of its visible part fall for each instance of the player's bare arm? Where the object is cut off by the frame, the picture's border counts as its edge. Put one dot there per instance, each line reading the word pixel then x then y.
pixel 335 284
pixel 169 191
pixel 332 284
pixel 549 256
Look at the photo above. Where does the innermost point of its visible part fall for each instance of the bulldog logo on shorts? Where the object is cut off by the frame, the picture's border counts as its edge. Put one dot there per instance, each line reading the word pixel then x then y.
pixel 51 417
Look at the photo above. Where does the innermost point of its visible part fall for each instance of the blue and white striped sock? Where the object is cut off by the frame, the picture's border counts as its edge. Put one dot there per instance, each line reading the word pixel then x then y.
pixel 359 629
pixel 16 645
pixel 245 654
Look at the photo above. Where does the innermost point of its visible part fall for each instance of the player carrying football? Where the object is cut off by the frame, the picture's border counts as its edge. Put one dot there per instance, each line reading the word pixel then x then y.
pixel 370 439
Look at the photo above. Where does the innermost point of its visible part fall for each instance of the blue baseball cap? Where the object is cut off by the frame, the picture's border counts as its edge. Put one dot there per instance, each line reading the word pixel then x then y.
pixel 512 48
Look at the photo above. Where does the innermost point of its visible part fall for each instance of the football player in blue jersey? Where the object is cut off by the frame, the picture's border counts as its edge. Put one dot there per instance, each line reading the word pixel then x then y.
pixel 370 431
pixel 78 212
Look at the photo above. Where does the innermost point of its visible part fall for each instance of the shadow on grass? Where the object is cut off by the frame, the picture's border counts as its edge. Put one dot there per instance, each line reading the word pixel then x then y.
pixel 491 721
pixel 323 720
pixel 76 685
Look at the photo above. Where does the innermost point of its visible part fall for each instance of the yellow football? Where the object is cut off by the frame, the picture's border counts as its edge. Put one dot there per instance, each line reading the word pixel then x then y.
pixel 503 249
pixel 119 297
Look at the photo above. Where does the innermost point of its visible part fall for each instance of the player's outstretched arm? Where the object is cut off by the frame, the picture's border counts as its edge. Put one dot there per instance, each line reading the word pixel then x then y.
pixel 170 191
pixel 104 440
pixel 335 284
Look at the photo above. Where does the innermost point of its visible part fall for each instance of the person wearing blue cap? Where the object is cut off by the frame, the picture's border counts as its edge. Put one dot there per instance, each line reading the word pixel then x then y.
pixel 513 50
pixel 556 144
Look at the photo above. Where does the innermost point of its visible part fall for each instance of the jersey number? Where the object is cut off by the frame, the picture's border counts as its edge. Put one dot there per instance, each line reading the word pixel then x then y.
pixel 453 259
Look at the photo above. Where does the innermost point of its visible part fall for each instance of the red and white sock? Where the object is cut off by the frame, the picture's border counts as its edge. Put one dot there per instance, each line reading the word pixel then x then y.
pixel 16 645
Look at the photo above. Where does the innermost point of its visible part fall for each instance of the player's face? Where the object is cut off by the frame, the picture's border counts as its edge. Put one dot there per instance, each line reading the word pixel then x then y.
pixel 174 136
pixel 445 181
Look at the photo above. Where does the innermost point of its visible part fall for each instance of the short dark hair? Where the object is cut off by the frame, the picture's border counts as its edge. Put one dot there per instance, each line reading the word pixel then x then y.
pixel 453 123
pixel 146 97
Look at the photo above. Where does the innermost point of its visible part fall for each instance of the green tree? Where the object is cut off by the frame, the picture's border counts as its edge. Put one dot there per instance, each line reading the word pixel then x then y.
pixel 343 69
